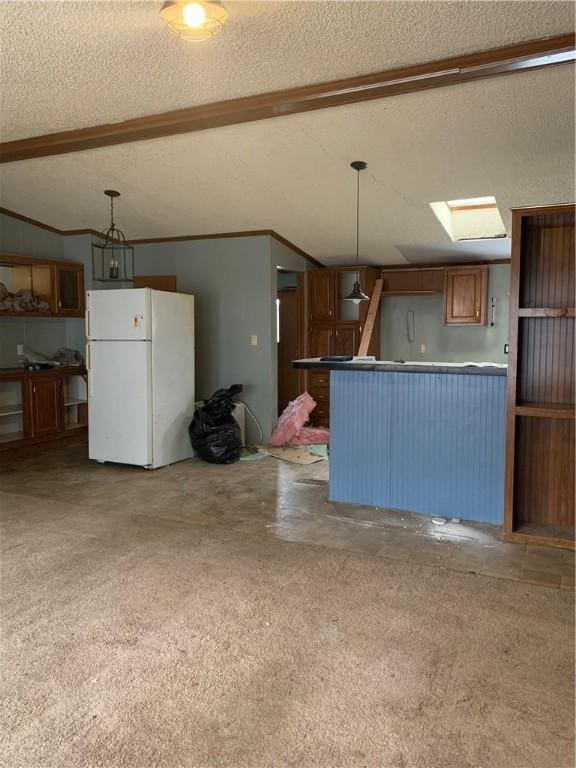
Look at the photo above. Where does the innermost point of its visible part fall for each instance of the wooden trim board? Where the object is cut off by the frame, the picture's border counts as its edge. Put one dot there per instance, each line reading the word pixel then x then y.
pixel 180 238
pixel 370 318
pixel 521 57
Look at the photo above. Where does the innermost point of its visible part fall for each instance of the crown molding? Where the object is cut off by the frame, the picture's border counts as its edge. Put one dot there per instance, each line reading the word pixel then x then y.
pixel 180 238
pixel 521 57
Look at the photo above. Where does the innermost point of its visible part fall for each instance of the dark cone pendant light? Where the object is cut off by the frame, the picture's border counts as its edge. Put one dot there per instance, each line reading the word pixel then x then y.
pixel 357 295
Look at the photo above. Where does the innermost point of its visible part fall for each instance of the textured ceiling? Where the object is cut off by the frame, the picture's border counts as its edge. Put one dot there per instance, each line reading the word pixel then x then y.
pixel 73 64
pixel 511 137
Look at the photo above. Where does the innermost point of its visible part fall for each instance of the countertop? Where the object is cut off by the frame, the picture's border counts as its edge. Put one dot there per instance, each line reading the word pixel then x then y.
pixel 15 374
pixel 391 366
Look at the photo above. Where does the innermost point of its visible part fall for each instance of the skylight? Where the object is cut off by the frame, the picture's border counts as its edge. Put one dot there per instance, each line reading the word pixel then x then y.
pixel 473 202
pixel 471 218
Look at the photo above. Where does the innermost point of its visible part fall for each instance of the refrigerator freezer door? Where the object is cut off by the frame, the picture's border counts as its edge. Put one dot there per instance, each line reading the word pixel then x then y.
pixel 172 376
pixel 119 402
pixel 122 314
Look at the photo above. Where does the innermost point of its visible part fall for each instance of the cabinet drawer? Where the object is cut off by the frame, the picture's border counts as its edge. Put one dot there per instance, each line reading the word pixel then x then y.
pixel 321 395
pixel 320 416
pixel 319 379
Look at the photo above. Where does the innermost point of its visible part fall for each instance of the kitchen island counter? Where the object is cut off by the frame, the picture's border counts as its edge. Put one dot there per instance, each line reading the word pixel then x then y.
pixel 397 366
pixel 428 441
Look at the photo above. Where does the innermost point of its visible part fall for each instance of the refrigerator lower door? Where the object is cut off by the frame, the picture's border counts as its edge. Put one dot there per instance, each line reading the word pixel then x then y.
pixel 120 402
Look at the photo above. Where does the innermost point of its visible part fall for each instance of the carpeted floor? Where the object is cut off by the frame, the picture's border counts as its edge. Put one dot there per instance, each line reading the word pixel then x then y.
pixel 131 641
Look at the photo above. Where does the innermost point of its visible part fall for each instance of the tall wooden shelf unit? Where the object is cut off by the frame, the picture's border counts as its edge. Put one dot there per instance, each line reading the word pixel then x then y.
pixel 539 486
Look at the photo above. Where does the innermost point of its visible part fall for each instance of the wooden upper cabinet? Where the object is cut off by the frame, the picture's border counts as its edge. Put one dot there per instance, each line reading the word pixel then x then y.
pixel 38 287
pixel 465 296
pixel 156 282
pixel 69 290
pixel 321 295
pixel 410 282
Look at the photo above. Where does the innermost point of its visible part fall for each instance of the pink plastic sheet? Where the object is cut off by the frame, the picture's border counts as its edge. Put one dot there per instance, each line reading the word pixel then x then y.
pixel 293 418
pixel 311 436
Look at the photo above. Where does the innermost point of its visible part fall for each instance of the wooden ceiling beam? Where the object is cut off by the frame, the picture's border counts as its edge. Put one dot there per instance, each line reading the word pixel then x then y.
pixel 533 54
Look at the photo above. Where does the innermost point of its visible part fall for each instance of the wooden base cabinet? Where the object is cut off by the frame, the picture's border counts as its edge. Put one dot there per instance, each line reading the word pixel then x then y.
pixel 36 406
pixel 539 485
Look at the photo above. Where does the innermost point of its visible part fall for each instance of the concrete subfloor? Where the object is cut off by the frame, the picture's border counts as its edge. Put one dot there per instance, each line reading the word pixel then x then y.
pixel 230 617
pixel 273 498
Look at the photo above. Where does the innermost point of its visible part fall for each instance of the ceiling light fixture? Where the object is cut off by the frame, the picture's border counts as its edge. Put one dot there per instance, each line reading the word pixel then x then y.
pixel 357 295
pixel 112 260
pixel 195 21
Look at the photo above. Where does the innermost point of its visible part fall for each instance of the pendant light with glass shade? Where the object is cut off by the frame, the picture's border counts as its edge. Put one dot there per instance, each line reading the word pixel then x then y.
pixel 194 21
pixel 357 294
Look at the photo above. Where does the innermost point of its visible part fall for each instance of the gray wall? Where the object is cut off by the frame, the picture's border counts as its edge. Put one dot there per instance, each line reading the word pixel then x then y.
pixel 234 282
pixel 443 343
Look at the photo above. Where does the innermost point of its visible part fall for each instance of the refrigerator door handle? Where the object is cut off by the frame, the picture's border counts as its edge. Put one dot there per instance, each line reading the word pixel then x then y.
pixel 87 318
pixel 89 370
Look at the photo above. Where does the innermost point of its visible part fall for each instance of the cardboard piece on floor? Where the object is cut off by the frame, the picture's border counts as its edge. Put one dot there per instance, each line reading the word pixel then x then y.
pixel 295 455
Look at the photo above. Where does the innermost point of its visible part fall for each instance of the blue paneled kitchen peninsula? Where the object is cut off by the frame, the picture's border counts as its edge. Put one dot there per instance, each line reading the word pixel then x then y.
pixel 425 438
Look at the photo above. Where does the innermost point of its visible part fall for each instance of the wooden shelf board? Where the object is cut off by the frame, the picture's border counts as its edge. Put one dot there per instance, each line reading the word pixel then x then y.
pixel 73 401
pixel 548 535
pixel 546 312
pixel 546 410
pixel 11 410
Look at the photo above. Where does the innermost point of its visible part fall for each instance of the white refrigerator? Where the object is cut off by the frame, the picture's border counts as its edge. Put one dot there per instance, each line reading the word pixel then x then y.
pixel 140 361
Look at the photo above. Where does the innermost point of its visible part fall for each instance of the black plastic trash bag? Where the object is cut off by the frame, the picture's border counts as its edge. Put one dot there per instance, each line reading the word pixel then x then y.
pixel 214 432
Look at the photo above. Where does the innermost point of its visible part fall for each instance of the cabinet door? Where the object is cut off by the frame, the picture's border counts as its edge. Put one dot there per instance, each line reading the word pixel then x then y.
pixel 46 405
pixel 346 340
pixel 320 341
pixel 70 287
pixel 465 296
pixel 321 295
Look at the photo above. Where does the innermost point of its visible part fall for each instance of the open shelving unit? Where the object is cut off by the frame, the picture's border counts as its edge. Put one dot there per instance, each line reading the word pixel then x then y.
pixel 540 458
pixel 12 420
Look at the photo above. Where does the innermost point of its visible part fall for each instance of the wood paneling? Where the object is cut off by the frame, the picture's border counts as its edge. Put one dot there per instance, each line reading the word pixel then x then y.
pixel 547 278
pixel 532 54
pixel 546 360
pixel 544 472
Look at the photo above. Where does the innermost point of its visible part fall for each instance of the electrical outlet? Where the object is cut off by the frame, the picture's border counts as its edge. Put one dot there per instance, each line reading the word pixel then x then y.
pixel 19 349
pixel 506 348
pixel 422 349
pixel 254 341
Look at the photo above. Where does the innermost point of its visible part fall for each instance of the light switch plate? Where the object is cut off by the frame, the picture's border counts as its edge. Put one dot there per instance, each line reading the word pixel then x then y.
pixel 254 341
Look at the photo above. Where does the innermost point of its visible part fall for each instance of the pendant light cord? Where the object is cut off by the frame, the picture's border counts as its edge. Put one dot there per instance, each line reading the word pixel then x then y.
pixel 357 214
pixel 112 225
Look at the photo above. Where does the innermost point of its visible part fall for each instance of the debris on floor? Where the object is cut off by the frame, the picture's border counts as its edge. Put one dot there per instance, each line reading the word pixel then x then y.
pixel 253 453
pixel 290 429
pixel 295 455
